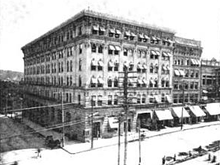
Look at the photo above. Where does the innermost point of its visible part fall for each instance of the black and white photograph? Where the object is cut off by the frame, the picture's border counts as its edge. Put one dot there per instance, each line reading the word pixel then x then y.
pixel 109 82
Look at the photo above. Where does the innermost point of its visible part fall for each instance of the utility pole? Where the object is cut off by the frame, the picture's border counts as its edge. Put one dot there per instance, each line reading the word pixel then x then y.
pixel 139 134
pixel 183 88
pixel 119 138
pixel 126 112
pixel 63 120
pixel 92 102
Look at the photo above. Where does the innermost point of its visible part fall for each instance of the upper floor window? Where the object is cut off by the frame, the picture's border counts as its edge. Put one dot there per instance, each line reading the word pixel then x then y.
pixel 100 65
pixel 115 99
pixel 80 49
pixel 117 33
pixel 95 29
pixel 110 65
pixel 100 49
pixel 99 100
pixel 80 65
pixel 80 30
pixel 93 47
pixel 111 32
pixel 109 99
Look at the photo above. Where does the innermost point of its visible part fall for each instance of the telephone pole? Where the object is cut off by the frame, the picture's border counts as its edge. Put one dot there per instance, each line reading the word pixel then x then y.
pixel 92 124
pixel 126 112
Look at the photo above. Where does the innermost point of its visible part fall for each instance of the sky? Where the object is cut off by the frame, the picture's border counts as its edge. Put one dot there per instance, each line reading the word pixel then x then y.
pixel 22 21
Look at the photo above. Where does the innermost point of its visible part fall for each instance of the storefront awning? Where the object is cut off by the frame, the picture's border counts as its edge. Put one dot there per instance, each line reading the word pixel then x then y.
pixel 133 35
pixel 158 53
pixel 180 112
pixel 146 37
pixel 169 54
pixel 164 115
pixel 197 111
pixel 213 108
pixel 113 122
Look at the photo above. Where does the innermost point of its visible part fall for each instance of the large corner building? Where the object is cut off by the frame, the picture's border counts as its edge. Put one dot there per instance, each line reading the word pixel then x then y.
pixel 83 60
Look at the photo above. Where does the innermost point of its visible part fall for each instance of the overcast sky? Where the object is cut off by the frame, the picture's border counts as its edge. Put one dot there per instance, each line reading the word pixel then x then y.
pixel 21 21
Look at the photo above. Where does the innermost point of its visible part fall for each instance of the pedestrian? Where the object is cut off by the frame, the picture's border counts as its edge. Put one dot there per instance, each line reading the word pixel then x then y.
pixel 190 154
pixel 163 160
pixel 209 157
pixel 174 157
pixel 61 142
pixel 38 153
pixel 213 159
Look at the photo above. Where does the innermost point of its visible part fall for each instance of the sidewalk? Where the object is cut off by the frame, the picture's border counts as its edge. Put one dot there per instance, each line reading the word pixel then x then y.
pixel 73 148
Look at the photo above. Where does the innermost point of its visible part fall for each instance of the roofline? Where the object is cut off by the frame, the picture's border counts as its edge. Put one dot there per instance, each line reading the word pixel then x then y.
pixel 103 16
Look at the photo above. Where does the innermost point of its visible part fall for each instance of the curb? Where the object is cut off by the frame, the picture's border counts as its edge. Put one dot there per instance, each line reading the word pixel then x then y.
pixel 134 140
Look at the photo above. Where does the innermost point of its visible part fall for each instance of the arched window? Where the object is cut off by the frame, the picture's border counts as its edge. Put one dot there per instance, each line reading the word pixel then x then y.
pixel 115 82
pixel 151 68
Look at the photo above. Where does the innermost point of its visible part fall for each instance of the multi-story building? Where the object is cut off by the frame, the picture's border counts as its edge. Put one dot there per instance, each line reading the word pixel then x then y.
pixel 81 60
pixel 209 80
pixel 186 72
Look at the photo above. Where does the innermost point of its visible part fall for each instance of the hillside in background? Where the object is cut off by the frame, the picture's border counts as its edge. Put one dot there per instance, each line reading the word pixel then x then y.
pixel 7 75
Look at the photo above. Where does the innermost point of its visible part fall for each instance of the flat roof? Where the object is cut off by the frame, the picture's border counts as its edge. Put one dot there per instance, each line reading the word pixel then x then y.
pixel 102 16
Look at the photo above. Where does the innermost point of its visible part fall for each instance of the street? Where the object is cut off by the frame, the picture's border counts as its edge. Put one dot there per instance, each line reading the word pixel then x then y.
pixel 152 149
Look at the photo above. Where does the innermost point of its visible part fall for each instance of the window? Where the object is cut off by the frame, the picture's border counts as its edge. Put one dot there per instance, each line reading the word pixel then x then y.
pixel 151 83
pixel 93 100
pixel 109 99
pixel 100 65
pixel 117 33
pixel 151 99
pixel 71 80
pixel 111 49
pixel 80 64
pixel 131 66
pixel 115 99
pixel 109 82
pixel 71 65
pixel 196 85
pixel 143 99
pixel 116 66
pixel 110 65
pixel 196 74
pixel 67 67
pixel 186 73
pixel 100 82
pixel 125 52
pixel 163 98
pixel 80 81
pixel 93 81
pixel 67 80
pixel 192 74
pixel 80 30
pixel 117 50
pixel 155 83
pixel 101 31
pixel 139 67
pixel 99 100
pixel 156 68
pixel 175 98
pixel 191 85
pixel 162 82
pixel 80 49
pixel 151 68
pixel 93 48
pixel 100 49
pixel 116 82
pixel 93 64
pixel 138 99
pixel 111 32
pixel 95 30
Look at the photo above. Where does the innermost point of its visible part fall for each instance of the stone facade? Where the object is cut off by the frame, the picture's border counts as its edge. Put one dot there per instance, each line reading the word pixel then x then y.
pixel 209 79
pixel 83 59
pixel 186 68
